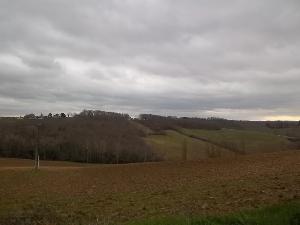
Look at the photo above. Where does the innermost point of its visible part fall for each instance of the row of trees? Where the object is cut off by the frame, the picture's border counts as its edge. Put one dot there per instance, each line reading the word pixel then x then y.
pixel 49 116
pixel 282 124
pixel 160 123
pixel 157 122
pixel 91 114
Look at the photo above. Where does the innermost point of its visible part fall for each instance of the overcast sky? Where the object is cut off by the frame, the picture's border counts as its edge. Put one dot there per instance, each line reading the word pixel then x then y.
pixel 234 59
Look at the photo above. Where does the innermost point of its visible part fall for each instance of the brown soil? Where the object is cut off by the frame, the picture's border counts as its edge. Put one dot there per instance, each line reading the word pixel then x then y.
pixel 11 163
pixel 124 192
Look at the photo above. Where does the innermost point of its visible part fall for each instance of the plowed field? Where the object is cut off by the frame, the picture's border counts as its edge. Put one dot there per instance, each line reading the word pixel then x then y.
pixel 119 193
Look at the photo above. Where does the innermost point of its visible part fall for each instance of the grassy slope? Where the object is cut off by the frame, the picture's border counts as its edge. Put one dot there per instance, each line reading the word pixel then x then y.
pixel 250 141
pixel 283 214
pixel 292 132
pixel 170 147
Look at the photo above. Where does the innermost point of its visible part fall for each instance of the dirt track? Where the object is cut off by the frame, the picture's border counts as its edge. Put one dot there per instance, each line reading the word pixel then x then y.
pixel 122 192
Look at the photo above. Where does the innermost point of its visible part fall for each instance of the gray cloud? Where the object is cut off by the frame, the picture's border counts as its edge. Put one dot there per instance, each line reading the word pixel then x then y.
pixel 235 59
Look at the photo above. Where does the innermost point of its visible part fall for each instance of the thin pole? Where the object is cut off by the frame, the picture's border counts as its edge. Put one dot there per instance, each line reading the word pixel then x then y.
pixel 37 156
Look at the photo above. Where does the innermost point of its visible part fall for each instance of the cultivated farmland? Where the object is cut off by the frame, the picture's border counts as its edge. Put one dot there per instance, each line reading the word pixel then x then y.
pixel 116 194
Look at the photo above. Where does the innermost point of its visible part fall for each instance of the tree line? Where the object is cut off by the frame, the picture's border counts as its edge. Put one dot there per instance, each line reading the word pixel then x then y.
pixel 90 136
pixel 159 123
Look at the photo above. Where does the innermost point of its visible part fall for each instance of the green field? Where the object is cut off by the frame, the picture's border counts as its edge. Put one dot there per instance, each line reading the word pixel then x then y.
pixel 219 143
pixel 170 147
pixel 243 140
pixel 283 214
pixel 291 132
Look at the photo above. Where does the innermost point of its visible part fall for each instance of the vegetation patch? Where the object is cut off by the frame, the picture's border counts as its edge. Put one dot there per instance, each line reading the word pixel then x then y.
pixel 173 145
pixel 242 141
pixel 283 214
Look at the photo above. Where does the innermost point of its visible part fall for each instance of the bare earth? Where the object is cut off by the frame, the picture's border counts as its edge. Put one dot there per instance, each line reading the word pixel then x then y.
pixel 125 192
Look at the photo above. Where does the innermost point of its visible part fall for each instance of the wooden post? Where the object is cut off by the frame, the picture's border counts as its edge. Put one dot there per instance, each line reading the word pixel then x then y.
pixel 37 156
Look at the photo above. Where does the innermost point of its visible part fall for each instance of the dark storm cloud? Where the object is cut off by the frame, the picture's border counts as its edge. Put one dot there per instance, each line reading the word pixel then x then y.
pixel 237 59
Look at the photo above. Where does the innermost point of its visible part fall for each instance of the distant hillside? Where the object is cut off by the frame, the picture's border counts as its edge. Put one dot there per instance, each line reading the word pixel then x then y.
pixel 195 138
pixel 171 144
pixel 94 136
